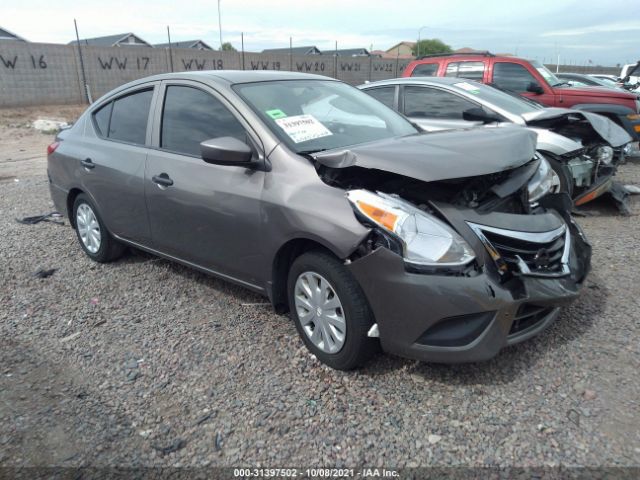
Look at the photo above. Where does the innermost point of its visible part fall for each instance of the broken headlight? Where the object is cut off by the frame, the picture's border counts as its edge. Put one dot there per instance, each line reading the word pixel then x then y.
pixel 425 239
pixel 544 181
pixel 603 153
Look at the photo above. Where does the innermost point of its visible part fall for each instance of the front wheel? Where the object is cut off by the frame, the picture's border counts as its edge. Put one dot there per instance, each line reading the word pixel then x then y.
pixel 566 180
pixel 330 311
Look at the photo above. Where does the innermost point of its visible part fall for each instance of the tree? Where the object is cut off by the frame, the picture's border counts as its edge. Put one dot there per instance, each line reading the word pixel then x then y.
pixel 430 46
pixel 227 47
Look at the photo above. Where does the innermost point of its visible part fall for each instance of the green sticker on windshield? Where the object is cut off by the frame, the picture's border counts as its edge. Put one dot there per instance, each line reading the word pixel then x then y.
pixel 276 113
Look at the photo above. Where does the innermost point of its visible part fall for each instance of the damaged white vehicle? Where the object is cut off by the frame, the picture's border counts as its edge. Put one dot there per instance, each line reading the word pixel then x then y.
pixel 582 148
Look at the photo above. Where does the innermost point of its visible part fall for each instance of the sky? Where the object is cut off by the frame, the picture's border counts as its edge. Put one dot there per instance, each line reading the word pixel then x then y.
pixel 605 32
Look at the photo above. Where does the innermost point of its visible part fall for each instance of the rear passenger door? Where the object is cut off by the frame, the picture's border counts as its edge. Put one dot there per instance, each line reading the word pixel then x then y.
pixel 205 214
pixel 435 109
pixel 112 161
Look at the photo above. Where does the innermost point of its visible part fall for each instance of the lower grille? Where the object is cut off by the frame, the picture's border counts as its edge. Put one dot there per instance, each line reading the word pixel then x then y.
pixel 528 316
pixel 543 254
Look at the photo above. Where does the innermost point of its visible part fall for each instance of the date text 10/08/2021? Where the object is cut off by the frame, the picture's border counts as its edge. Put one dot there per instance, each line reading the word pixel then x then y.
pixel 314 473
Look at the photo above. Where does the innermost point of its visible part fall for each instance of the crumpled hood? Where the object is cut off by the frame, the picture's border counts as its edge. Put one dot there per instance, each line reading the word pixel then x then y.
pixel 440 155
pixel 606 129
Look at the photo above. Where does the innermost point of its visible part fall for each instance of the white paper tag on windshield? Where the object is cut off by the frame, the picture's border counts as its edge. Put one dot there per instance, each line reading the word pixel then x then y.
pixel 467 86
pixel 302 128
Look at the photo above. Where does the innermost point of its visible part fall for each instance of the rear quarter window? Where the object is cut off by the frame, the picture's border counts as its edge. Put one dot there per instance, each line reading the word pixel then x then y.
pixel 101 119
pixel 425 70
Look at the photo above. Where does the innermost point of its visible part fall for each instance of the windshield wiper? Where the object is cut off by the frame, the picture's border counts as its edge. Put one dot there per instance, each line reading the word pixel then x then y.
pixel 311 152
pixel 560 84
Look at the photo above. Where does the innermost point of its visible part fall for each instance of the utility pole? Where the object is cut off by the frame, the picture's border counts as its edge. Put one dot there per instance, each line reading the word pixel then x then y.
pixel 220 24
pixel 418 45
pixel 170 53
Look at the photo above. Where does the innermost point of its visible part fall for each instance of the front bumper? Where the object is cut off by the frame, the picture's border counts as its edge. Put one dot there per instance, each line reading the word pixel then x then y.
pixel 464 317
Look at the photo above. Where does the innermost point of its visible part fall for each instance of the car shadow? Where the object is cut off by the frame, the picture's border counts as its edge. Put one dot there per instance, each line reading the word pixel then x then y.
pixel 135 256
pixel 512 362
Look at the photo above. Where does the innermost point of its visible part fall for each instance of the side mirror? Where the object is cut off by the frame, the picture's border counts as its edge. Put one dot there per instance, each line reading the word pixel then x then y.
pixel 533 87
pixel 227 151
pixel 477 114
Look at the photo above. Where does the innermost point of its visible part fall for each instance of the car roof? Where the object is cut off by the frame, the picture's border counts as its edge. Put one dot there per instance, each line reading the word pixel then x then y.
pixel 572 74
pixel 234 76
pixel 414 80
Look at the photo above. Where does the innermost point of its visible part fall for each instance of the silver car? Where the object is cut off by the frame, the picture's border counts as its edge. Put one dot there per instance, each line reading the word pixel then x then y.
pixel 582 147
pixel 443 246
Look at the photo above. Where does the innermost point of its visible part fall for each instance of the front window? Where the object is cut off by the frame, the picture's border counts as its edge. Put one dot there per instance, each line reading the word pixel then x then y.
pixel 504 100
pixel 512 76
pixel 546 74
pixel 315 115
pixel 427 102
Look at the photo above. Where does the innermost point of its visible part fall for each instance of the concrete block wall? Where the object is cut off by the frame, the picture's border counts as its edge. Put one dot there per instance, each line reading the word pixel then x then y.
pixel 49 74
pixel 38 74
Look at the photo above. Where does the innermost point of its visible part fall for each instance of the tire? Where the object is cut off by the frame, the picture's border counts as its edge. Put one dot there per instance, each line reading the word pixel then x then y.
pixel 566 181
pixel 356 347
pixel 107 248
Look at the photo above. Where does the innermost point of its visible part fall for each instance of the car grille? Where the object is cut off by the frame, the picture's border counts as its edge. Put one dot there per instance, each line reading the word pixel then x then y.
pixel 528 316
pixel 543 254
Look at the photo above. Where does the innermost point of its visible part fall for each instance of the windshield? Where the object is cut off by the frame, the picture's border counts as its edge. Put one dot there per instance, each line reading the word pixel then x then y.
pixel 508 101
pixel 316 115
pixel 609 82
pixel 546 74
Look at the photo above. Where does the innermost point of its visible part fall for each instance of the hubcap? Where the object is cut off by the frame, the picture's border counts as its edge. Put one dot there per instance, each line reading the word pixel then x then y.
pixel 320 312
pixel 88 228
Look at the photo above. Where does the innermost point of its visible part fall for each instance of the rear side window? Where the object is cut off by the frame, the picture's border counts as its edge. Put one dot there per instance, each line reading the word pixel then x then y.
pixel 470 70
pixel 383 94
pixel 191 116
pixel 426 102
pixel 512 76
pixel 102 117
pixel 425 70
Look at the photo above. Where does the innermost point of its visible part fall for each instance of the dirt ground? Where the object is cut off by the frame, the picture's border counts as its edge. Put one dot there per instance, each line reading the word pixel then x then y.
pixel 23 149
pixel 146 363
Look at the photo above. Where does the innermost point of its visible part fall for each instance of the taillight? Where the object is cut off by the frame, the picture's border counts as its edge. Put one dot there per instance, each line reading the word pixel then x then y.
pixel 52 148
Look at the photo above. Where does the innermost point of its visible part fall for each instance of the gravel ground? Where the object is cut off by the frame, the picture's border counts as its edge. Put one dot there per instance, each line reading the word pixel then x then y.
pixel 146 363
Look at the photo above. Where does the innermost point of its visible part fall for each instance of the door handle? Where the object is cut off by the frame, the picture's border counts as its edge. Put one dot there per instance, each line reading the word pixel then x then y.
pixel 162 180
pixel 88 164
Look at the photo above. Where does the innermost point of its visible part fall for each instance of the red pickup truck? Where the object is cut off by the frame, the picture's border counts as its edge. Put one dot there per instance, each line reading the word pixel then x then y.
pixel 534 80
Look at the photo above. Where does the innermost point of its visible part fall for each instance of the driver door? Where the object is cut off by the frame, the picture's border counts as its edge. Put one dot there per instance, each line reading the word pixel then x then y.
pixel 201 213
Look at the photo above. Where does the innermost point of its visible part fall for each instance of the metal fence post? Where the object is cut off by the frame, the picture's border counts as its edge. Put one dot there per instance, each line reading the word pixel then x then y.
pixel 87 95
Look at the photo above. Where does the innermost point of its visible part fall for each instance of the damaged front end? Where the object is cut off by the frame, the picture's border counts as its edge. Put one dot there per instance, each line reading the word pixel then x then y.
pixel 457 268
pixel 592 166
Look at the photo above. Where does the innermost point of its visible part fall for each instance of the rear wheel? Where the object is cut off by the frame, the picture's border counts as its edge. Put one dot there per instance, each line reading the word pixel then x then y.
pixel 330 311
pixel 94 238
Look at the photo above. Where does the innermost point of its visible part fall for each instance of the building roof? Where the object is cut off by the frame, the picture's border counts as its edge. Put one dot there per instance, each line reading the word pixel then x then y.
pixel 310 50
pixel 407 43
pixel 468 50
pixel 7 35
pixel 348 52
pixel 186 44
pixel 112 40
pixel 391 56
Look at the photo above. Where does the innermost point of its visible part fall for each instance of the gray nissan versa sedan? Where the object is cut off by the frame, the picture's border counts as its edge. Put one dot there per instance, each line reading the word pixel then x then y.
pixel 442 246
